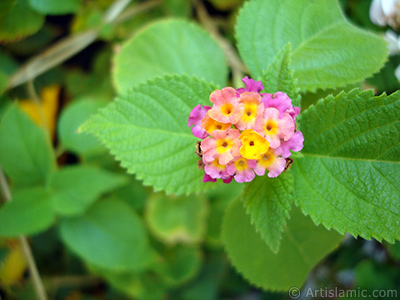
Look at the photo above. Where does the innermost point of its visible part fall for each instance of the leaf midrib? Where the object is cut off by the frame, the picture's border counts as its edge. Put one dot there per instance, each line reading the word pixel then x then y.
pixel 349 158
pixel 114 125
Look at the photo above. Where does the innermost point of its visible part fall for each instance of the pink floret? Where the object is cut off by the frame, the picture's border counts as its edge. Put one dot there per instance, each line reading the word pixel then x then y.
pixel 295 143
pixel 195 117
pixel 251 86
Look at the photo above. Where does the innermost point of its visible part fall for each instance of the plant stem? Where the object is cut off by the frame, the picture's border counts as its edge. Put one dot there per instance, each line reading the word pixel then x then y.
pixel 37 282
pixel 71 45
pixel 238 68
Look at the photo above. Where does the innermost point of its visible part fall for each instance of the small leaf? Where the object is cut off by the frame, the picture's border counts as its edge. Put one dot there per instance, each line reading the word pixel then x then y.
pixel 179 265
pixel 19 22
pixel 147 131
pixel 75 188
pixel 303 245
pixel 29 212
pixel 51 7
pixel 26 154
pixel 111 235
pixel 268 201
pixel 177 219
pixel 348 176
pixel 71 118
pixel 169 47
pixel 278 77
pixel 327 51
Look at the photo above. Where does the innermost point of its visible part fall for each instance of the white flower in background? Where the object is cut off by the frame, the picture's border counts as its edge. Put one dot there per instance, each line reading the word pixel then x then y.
pixel 393 42
pixel 394 48
pixel 385 12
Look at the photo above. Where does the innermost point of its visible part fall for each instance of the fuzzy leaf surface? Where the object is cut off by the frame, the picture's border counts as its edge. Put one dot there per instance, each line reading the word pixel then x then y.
pixel 348 176
pixel 303 245
pixel 278 77
pixel 147 131
pixel 327 51
pixel 268 201
pixel 169 47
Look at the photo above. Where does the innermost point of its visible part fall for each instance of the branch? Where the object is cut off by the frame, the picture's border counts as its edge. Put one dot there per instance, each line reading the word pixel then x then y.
pixel 37 282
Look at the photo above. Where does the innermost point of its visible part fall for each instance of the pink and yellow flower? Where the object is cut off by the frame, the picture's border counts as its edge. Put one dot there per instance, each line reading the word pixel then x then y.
pixel 226 108
pixel 223 144
pixel 253 144
pixel 242 169
pixel 245 133
pixel 273 128
pixel 271 161
pixel 252 109
pixel 216 170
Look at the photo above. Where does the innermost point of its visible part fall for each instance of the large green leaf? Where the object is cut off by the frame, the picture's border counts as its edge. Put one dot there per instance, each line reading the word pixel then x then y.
pixel 348 177
pixel 268 201
pixel 111 235
pixel 327 50
pixel 169 47
pixel 75 188
pixel 302 246
pixel 177 219
pixel 278 77
pixel 147 131
pixel 26 154
pixel 29 212
pixel 52 7
pixel 19 22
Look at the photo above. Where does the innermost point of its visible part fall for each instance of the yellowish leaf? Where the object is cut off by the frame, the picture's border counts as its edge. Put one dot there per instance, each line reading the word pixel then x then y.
pixel 45 113
pixel 13 267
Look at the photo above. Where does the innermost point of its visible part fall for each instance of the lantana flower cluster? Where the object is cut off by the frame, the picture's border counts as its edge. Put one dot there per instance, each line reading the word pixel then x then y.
pixel 245 132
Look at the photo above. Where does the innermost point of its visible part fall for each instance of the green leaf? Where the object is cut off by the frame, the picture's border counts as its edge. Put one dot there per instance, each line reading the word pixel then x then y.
pixel 6 6
pixel 75 188
pixel 268 201
pixel 26 154
pixel 29 212
pixel 327 50
pixel 348 176
pixel 51 7
pixel 3 82
pixel 19 22
pixel 278 77
pixel 179 265
pixel 177 219
pixel 141 286
pixel 303 245
pixel 111 235
pixel 71 118
pixel 147 131
pixel 169 47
